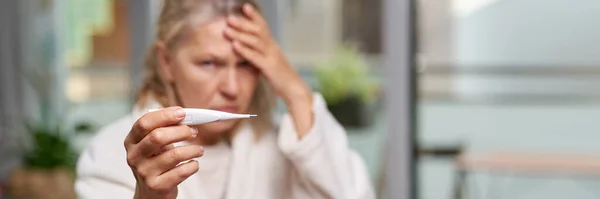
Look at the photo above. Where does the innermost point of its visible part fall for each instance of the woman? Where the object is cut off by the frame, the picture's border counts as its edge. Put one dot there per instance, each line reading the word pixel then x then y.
pixel 218 54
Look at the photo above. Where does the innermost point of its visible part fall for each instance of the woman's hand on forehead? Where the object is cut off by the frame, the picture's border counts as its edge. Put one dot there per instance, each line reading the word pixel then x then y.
pixel 252 39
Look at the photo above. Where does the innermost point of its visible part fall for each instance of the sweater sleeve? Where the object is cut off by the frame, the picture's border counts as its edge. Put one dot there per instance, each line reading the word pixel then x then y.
pixel 102 171
pixel 324 166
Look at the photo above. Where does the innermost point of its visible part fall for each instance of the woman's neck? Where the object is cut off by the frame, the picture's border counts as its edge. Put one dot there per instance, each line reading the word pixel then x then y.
pixel 207 139
pixel 211 139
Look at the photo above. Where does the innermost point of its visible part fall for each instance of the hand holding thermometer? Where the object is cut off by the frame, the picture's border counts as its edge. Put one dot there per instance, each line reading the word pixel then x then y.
pixel 195 116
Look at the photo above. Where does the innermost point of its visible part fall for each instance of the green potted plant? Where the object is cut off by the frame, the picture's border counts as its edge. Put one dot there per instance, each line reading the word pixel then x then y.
pixel 48 164
pixel 48 157
pixel 350 91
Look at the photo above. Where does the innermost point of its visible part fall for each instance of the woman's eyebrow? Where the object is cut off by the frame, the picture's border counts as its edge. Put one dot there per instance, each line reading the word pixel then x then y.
pixel 207 53
pixel 218 58
pixel 203 53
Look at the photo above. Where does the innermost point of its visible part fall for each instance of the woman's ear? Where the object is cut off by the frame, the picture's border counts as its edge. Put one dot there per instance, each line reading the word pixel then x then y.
pixel 165 63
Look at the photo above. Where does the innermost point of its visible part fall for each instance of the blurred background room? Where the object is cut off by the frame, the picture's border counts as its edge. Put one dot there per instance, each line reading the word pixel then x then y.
pixel 441 98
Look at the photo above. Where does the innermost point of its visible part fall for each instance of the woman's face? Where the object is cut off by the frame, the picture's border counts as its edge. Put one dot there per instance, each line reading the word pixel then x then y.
pixel 207 73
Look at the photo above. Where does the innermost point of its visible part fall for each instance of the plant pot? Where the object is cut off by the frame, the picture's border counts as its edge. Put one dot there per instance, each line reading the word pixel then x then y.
pixel 42 184
pixel 352 112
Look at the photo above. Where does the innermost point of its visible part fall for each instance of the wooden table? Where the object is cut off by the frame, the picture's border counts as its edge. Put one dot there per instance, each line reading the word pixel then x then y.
pixel 524 163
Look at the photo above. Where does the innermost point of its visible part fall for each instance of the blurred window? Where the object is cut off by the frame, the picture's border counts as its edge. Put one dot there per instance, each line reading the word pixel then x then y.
pixel 98 51
pixel 508 77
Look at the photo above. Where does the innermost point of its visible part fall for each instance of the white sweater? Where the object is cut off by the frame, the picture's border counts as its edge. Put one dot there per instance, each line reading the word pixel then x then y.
pixel 276 166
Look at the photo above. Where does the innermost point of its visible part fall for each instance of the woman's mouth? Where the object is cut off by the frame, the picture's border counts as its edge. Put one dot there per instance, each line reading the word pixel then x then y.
pixel 229 109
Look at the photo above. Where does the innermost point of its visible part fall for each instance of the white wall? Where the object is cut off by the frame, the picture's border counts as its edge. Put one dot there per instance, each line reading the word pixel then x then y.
pixel 537 32
pixel 532 33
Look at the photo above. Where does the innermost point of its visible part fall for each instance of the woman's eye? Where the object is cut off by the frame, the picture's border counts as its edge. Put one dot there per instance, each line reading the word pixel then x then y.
pixel 205 63
pixel 245 63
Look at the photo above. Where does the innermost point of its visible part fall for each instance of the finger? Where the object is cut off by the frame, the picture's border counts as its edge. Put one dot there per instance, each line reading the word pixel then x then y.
pixel 170 159
pixel 250 54
pixel 253 14
pixel 246 39
pixel 164 149
pixel 172 178
pixel 160 137
pixel 153 120
pixel 244 25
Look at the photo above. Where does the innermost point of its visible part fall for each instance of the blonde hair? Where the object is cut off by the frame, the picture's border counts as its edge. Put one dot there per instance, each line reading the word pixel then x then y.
pixel 172 26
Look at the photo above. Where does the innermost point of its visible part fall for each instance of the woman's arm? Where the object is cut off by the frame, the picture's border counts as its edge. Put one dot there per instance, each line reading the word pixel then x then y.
pixel 309 136
pixel 251 38
pixel 324 166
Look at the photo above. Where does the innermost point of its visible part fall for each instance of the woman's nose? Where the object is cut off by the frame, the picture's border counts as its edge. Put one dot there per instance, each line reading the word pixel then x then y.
pixel 229 83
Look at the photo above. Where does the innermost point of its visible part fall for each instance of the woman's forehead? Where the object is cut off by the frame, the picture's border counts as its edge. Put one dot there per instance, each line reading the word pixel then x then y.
pixel 209 39
pixel 213 29
pixel 209 34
